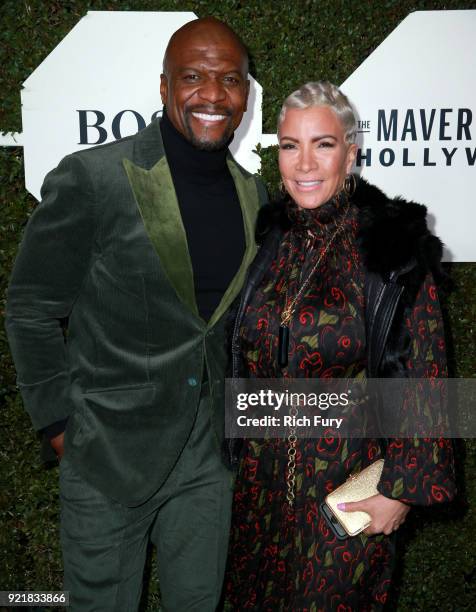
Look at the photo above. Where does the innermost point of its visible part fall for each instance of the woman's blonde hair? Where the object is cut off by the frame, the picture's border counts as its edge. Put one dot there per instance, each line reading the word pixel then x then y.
pixel 323 93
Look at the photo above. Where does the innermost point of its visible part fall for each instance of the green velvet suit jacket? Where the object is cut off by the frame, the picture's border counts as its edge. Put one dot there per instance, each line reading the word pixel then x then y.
pixel 106 250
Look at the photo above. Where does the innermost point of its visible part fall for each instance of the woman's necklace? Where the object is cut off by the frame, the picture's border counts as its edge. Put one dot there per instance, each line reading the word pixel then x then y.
pixel 288 311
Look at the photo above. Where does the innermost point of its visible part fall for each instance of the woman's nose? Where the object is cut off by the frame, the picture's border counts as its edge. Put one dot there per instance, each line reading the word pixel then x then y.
pixel 306 161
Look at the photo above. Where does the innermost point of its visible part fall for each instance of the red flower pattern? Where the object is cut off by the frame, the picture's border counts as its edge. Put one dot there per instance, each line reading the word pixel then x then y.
pixel 290 561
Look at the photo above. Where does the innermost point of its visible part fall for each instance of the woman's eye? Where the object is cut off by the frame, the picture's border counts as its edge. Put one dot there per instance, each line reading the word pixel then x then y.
pixel 326 144
pixel 286 146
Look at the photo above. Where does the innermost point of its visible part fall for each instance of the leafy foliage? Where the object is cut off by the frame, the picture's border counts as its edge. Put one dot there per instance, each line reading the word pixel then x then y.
pixel 289 43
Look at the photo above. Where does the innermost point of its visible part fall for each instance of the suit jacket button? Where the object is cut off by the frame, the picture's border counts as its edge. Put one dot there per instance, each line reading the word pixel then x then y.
pixel 192 381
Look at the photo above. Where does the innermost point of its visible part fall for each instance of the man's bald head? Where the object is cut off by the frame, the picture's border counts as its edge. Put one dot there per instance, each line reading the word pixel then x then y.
pixel 204 85
pixel 208 29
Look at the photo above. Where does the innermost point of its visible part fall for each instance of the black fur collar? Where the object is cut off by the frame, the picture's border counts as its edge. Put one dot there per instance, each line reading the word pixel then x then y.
pixel 393 232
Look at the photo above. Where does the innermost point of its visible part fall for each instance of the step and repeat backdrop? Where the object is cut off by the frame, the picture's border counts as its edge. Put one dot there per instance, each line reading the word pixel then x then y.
pixel 415 97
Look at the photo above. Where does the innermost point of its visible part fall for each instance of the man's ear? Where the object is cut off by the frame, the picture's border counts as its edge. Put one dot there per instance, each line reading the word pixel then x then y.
pixel 164 88
pixel 247 93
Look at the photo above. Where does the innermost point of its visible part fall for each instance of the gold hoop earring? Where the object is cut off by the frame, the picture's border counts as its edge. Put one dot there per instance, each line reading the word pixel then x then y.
pixel 349 185
pixel 282 188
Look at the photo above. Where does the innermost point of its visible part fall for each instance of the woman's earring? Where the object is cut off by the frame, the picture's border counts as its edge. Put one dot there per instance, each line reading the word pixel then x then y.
pixel 349 186
pixel 282 188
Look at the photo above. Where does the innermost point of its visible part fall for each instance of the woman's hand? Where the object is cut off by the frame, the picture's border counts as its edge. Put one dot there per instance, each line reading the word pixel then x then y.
pixel 386 514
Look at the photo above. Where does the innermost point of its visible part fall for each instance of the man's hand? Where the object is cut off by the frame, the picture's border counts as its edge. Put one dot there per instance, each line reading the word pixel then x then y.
pixel 387 514
pixel 58 444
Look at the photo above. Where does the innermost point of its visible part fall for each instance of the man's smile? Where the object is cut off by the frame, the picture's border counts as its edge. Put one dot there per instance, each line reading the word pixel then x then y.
pixel 209 118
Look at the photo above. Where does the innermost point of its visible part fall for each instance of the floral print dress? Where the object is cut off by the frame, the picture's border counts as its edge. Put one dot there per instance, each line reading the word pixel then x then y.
pixel 291 561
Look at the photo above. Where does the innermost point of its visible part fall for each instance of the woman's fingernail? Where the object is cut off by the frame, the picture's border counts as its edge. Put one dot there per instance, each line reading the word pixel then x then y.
pixel 341 506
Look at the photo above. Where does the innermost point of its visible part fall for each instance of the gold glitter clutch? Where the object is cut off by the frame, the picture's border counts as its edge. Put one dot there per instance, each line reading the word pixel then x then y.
pixel 355 488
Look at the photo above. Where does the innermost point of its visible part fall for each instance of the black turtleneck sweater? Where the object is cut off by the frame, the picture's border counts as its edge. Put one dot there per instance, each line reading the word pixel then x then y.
pixel 211 215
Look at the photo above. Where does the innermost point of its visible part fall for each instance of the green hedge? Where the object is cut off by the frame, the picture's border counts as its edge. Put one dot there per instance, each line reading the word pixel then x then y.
pixel 290 43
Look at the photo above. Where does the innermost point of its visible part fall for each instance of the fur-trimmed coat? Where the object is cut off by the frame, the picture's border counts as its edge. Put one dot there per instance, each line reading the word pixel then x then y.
pixel 402 259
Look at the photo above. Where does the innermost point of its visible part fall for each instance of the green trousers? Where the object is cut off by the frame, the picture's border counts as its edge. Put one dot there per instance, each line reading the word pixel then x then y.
pixel 104 543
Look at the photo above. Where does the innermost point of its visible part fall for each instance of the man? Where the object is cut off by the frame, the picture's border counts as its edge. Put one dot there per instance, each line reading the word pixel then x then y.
pixel 142 245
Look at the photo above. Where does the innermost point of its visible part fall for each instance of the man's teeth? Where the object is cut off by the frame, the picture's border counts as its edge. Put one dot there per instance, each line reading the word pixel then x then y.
pixel 207 117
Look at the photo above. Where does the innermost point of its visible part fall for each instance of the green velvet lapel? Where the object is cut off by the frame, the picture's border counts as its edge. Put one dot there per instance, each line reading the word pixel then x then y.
pixel 249 202
pixel 151 182
pixel 164 226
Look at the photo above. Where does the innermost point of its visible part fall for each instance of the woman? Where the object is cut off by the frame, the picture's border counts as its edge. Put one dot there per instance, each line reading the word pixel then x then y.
pixel 321 275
